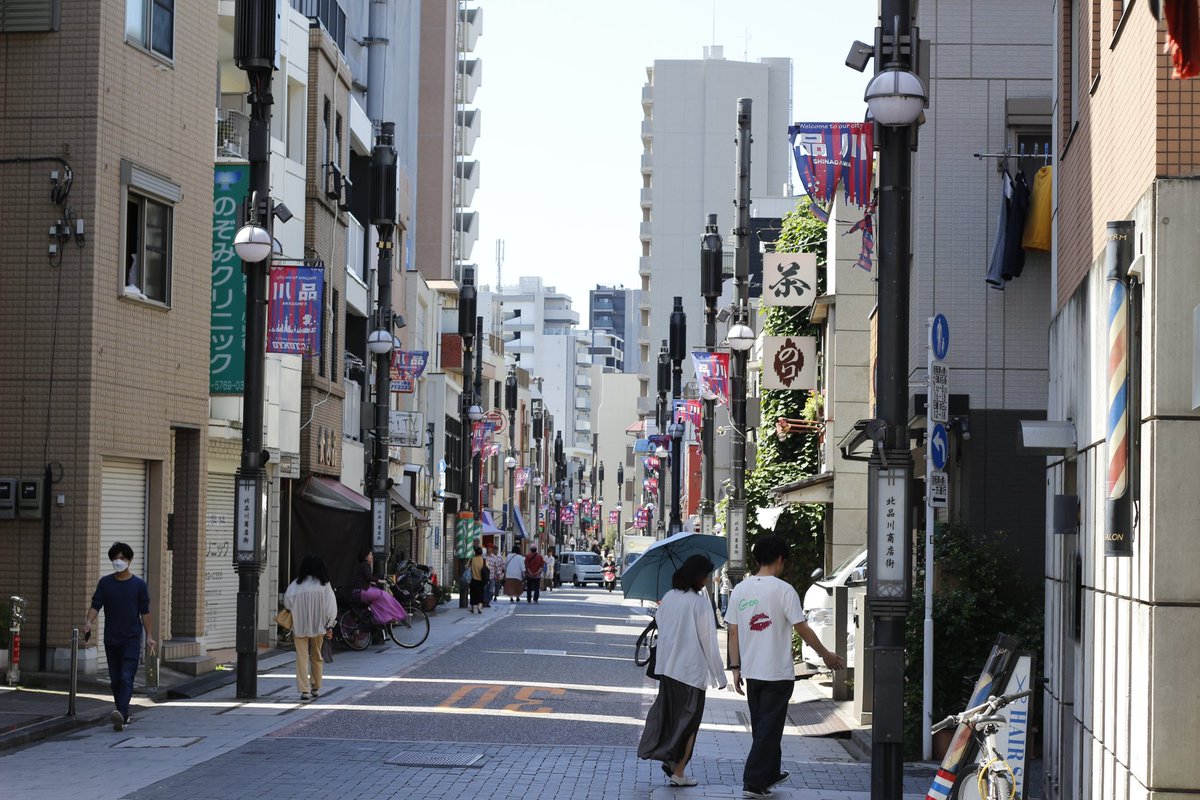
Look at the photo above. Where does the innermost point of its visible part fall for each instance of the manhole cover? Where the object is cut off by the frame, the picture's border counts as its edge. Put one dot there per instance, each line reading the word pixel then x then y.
pixel 418 758
pixel 158 741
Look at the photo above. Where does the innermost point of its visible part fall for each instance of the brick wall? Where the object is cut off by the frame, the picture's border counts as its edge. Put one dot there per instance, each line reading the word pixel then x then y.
pixel 86 373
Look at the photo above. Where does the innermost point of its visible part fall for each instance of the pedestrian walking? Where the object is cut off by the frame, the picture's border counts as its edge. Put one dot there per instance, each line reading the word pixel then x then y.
pixel 125 600
pixel 313 605
pixel 534 564
pixel 366 589
pixel 763 611
pixel 726 588
pixel 514 574
pixel 479 576
pixel 687 661
pixel 495 575
pixel 551 562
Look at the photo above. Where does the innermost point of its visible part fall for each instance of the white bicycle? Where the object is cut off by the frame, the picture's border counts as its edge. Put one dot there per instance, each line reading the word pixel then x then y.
pixel 992 778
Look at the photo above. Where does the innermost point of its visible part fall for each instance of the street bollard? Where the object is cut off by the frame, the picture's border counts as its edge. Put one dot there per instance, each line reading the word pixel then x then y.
pixel 151 670
pixel 841 595
pixel 14 629
pixel 74 680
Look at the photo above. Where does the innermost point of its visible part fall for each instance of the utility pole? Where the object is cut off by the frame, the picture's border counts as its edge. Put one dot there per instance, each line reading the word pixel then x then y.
pixel 381 340
pixel 254 51
pixel 678 352
pixel 741 339
pixel 711 280
pixel 664 386
pixel 466 330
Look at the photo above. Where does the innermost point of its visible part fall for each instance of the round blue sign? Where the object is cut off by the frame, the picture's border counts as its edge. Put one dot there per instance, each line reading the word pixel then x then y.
pixel 939 446
pixel 939 336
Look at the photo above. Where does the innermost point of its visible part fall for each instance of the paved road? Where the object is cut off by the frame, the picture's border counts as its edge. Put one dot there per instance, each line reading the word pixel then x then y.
pixel 526 702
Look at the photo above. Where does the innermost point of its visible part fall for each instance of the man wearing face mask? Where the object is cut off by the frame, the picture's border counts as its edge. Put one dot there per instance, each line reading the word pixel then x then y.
pixel 125 599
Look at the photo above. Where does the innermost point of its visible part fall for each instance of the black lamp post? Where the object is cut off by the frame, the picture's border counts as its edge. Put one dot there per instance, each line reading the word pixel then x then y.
pixel 678 352
pixel 560 475
pixel 664 386
pixel 600 502
pixel 510 404
pixel 711 279
pixel 538 432
pixel 469 413
pixel 620 506
pixel 254 51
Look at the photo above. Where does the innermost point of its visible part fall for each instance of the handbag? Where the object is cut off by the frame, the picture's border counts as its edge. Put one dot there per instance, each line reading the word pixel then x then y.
pixel 284 619
pixel 651 672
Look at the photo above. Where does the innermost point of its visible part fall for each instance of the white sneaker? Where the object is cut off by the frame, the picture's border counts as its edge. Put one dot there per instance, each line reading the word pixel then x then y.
pixel 118 722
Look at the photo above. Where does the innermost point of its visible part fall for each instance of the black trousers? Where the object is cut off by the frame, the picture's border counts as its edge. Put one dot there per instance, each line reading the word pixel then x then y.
pixel 768 702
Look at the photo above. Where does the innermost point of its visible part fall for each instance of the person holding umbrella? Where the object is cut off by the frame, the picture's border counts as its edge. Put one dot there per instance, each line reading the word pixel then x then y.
pixel 687 662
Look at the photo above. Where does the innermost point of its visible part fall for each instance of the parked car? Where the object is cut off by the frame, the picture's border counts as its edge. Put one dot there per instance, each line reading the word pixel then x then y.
pixel 818 605
pixel 580 567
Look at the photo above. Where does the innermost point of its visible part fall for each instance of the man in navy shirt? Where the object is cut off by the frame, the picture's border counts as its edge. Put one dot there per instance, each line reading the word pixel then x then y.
pixel 126 603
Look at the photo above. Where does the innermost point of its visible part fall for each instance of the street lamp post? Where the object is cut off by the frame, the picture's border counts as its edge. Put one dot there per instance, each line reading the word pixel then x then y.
pixel 598 498
pixel 469 412
pixel 560 476
pixel 664 456
pixel 620 506
pixel 381 342
pixel 741 339
pixel 895 97
pixel 711 280
pixel 477 470
pixel 254 52
pixel 664 386
pixel 510 404
pixel 678 352
pixel 538 432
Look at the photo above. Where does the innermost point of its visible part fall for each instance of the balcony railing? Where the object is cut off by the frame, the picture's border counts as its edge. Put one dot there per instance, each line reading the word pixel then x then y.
pixel 233 134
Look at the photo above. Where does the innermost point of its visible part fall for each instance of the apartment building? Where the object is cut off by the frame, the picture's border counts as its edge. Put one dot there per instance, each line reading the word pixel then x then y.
pixel 613 310
pixel 1122 602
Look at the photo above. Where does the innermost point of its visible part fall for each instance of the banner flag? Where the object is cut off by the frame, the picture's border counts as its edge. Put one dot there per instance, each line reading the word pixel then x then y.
pixel 407 366
pixel 712 373
pixel 294 310
pixel 522 478
pixel 614 517
pixel 827 153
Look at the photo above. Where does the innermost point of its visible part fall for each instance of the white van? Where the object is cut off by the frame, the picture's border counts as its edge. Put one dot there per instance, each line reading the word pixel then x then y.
pixel 580 567
pixel 818 605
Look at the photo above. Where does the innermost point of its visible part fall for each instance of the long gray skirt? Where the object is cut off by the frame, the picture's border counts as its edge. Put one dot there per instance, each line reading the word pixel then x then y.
pixel 673 719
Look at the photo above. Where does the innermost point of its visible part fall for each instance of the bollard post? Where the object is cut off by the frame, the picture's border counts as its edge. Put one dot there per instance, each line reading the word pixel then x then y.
pixel 74 680
pixel 841 595
pixel 151 671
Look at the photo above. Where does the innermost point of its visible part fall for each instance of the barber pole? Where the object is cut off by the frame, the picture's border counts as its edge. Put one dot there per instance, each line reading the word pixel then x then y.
pixel 1118 533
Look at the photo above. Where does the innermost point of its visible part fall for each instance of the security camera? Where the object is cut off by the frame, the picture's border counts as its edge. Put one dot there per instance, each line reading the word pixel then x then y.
pixel 282 212
pixel 859 56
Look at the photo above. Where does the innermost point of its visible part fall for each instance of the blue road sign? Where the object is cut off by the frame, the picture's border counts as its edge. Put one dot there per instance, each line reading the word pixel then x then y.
pixel 940 336
pixel 939 446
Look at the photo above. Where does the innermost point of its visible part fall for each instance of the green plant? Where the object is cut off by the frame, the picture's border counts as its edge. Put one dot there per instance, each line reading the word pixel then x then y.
pixel 978 594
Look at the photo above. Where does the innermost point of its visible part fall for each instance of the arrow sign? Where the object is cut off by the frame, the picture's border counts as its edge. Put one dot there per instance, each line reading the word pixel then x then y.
pixel 939 445
pixel 939 335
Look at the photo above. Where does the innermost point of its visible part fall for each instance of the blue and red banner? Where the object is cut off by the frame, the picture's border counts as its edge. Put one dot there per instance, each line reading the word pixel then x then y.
pixel 828 153
pixel 712 373
pixel 294 310
pixel 407 366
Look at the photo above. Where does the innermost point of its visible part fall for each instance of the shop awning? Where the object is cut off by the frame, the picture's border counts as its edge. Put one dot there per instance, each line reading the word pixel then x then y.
pixel 522 532
pixel 817 489
pixel 401 502
pixel 333 494
pixel 489 525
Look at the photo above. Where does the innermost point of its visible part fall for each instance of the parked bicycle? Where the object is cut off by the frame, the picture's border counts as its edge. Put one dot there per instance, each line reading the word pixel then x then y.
pixel 992 778
pixel 648 640
pixel 356 626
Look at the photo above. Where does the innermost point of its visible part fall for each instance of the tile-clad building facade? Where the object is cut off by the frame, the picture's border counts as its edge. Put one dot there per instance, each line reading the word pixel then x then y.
pixel 102 378
pixel 1122 632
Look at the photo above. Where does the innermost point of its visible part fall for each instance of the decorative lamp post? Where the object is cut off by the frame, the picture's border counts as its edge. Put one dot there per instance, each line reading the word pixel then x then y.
pixel 678 352
pixel 469 414
pixel 711 281
pixel 620 507
pixel 510 463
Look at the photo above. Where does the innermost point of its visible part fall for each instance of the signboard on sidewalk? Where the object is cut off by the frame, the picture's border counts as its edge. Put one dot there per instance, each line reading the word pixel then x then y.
pixel 789 362
pixel 789 279
pixel 406 428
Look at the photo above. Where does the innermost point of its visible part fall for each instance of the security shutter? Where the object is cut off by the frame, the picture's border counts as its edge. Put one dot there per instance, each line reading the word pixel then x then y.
pixel 220 579
pixel 28 16
pixel 122 519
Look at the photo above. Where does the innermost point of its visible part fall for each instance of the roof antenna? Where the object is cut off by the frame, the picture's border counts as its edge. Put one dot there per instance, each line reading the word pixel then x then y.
pixel 499 262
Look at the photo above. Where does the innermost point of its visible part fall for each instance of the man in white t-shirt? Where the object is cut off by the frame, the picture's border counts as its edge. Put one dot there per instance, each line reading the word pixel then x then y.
pixel 763 610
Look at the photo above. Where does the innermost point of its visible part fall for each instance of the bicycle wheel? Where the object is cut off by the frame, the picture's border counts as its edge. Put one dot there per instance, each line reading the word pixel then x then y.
pixel 355 634
pixel 413 630
pixel 648 639
pixel 997 784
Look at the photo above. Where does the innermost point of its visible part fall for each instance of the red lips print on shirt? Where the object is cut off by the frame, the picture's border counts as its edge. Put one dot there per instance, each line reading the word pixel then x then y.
pixel 760 622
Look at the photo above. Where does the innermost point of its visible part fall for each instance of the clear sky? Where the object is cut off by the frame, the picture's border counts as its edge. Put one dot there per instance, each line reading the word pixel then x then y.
pixel 560 146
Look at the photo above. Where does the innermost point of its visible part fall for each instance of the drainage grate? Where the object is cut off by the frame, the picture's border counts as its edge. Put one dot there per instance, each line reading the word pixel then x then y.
pixel 419 758
pixel 158 741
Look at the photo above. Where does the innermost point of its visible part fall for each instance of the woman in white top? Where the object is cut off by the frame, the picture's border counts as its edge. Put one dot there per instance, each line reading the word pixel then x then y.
pixel 687 661
pixel 314 610
pixel 514 574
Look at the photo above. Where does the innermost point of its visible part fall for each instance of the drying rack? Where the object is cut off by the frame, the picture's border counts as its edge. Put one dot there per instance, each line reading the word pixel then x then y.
pixel 1044 156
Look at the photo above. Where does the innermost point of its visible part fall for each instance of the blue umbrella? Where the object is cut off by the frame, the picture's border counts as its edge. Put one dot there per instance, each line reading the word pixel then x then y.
pixel 650 576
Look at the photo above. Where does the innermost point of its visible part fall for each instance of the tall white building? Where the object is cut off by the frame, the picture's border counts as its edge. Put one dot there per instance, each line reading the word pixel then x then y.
pixel 688 171
pixel 538 327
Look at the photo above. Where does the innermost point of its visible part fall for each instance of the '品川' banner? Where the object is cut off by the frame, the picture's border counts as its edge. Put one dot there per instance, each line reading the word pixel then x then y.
pixel 712 373
pixel 828 153
pixel 294 310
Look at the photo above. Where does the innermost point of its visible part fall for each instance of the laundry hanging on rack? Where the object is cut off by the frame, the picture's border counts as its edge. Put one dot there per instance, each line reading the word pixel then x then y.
pixel 1038 224
pixel 1183 37
pixel 1008 258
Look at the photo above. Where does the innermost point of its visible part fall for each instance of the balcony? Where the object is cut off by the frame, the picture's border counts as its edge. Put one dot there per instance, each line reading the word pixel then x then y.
pixel 647 131
pixel 583 381
pixel 645 405
pixel 466 174
pixel 233 135
pixel 644 266
pixel 647 197
pixel 470 71
pixel 470 29
pixel 647 97
pixel 583 426
pixel 468 124
pixel 647 163
pixel 645 230
pixel 583 403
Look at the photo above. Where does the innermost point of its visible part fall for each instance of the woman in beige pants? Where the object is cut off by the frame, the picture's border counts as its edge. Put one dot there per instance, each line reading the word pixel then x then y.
pixel 314 610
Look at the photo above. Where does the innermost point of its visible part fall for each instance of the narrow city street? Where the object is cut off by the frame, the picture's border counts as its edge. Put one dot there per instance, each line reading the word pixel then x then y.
pixel 526 701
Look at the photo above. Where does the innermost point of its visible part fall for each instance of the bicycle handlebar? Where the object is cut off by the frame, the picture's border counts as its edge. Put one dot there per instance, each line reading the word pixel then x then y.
pixel 987 708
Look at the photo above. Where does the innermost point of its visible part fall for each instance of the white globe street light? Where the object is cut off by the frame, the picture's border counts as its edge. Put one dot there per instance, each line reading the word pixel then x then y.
pixel 661 452
pixel 537 480
pixel 475 412
pixel 510 463
pixel 895 97
pixel 380 342
pixel 740 337
pixel 253 243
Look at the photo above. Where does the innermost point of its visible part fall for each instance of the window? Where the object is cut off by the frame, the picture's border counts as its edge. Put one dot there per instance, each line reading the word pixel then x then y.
pixel 151 24
pixel 147 236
